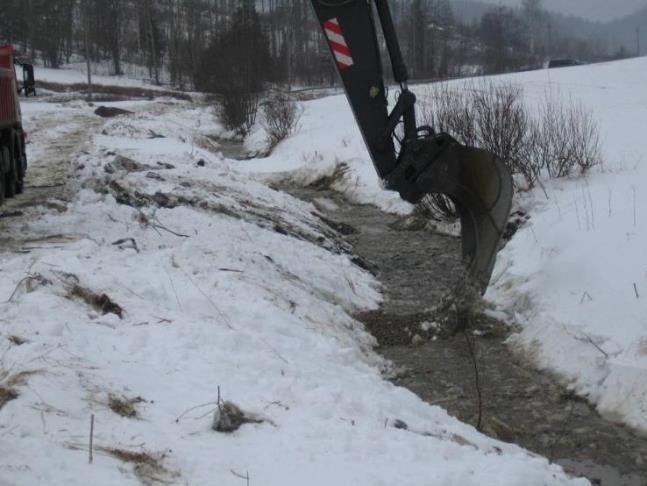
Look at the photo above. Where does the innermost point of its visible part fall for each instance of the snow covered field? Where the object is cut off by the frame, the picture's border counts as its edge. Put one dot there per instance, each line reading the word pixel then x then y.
pixel 172 278
pixel 76 74
pixel 575 277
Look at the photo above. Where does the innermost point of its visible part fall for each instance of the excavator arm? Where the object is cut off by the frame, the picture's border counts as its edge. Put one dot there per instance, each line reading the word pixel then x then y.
pixel 478 182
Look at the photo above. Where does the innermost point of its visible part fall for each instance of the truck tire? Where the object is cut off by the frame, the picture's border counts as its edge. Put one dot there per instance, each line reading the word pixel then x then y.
pixel 9 178
pixel 2 185
pixel 19 164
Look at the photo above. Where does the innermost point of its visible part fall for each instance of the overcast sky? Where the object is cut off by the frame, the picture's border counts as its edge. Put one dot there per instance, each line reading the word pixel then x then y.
pixel 601 10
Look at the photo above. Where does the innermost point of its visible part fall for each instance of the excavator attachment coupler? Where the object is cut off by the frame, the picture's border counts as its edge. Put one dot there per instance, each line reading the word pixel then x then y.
pixel 479 184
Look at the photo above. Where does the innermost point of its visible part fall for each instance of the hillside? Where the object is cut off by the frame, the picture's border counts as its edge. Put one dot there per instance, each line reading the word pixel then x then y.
pixel 614 33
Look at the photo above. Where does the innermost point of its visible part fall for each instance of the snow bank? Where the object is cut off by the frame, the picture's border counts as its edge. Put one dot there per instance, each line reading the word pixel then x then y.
pixel 576 275
pixel 227 287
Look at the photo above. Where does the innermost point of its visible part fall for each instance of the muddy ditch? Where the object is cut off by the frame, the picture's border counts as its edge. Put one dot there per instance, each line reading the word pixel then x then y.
pixel 474 374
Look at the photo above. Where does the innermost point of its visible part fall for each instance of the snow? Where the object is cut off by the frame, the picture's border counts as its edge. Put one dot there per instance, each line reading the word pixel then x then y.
pixel 575 277
pixel 229 289
pixel 327 137
pixel 77 74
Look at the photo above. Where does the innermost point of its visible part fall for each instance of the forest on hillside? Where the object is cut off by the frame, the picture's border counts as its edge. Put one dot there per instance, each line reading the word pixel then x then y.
pixel 207 44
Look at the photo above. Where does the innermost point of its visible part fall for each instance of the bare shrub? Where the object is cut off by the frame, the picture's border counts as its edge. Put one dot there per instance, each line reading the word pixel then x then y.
pixel 281 118
pixel 238 109
pixel 501 120
pixel 567 138
pixel 558 139
pixel 530 162
pixel 484 115
pixel 585 139
pixel 449 110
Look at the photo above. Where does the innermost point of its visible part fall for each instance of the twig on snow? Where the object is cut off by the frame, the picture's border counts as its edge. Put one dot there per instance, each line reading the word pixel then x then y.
pixel 188 411
pixel 91 457
pixel 15 291
pixel 589 340
pixel 162 227
pixel 157 225
pixel 635 212
pixel 177 298
pixel 586 295
pixel 477 380
pixel 28 281
pixel 132 241
pixel 240 476
pixel 221 314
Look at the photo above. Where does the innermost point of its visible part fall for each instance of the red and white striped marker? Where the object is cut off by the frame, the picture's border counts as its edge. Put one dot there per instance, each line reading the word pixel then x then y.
pixel 338 44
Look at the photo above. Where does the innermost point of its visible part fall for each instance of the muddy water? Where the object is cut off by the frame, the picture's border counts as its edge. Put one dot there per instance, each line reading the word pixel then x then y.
pixel 517 403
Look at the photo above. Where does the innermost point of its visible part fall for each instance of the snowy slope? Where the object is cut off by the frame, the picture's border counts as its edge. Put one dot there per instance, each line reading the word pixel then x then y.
pixel 327 136
pixel 576 276
pixel 224 286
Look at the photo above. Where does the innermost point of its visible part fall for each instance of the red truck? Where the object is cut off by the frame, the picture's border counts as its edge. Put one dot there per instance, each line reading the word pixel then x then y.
pixel 13 162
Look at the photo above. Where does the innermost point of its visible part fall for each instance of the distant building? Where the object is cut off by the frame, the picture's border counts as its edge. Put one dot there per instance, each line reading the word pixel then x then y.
pixel 559 63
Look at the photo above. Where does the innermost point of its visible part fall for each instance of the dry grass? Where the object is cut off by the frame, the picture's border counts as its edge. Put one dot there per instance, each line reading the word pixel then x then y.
pixel 229 418
pixel 6 395
pixel 99 302
pixel 147 467
pixel 558 138
pixel 17 379
pixel 282 115
pixel 327 182
pixel 126 407
pixel 9 382
pixel 131 456
pixel 17 340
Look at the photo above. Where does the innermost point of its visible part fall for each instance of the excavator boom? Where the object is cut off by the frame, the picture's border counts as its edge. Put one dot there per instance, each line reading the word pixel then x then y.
pixel 477 181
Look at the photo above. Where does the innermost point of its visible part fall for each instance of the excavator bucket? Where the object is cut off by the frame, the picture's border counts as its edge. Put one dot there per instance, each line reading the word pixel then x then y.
pixel 480 185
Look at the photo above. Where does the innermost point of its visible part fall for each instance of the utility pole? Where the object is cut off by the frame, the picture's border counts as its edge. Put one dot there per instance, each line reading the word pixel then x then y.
pixel 638 41
pixel 550 38
pixel 86 12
